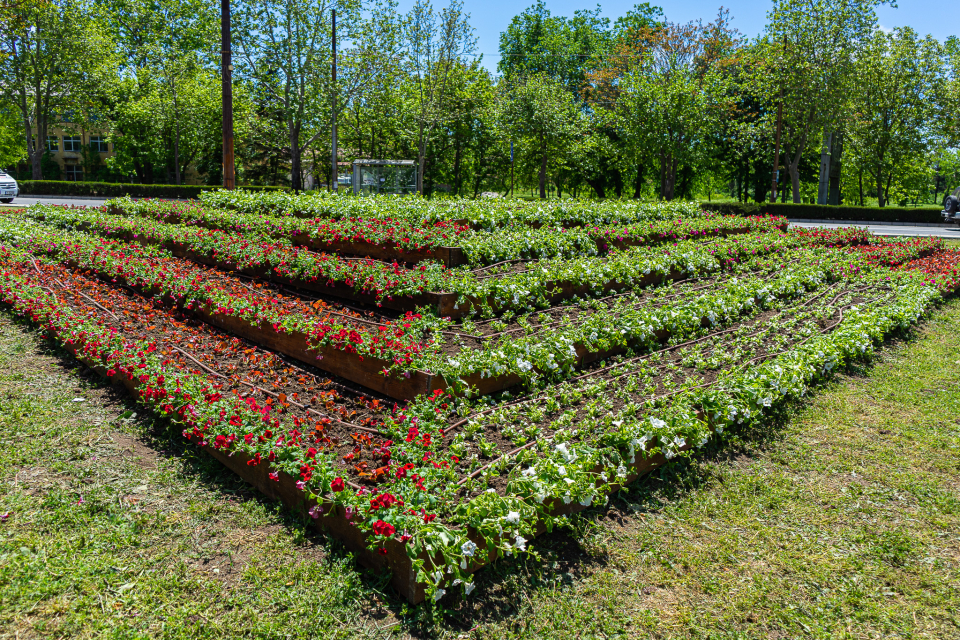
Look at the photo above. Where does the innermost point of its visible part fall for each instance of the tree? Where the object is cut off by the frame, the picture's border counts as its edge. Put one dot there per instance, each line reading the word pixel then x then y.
pixel 48 56
pixel 11 136
pixel 544 121
pixel 538 43
pixel 808 53
pixel 893 104
pixel 674 94
pixel 162 54
pixel 948 117
pixel 286 53
pixel 436 42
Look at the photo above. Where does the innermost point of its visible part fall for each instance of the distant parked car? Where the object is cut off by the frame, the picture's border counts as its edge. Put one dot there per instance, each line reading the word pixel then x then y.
pixel 951 207
pixel 9 189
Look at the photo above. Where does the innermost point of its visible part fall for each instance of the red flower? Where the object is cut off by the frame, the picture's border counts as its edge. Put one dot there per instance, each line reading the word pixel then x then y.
pixel 382 528
pixel 337 485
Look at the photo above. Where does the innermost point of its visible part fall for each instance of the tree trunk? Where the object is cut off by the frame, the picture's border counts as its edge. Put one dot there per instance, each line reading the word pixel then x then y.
pixel 543 169
pixel 881 201
pixel 457 156
pixel 663 174
pixel 860 179
pixel 794 167
pixel 823 185
pixel 669 177
pixel 295 161
pixel 638 183
pixel 34 152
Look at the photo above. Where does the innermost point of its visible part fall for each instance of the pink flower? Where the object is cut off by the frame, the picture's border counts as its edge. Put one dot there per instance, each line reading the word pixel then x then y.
pixel 301 484
pixel 275 476
pixel 5 516
pixel 315 511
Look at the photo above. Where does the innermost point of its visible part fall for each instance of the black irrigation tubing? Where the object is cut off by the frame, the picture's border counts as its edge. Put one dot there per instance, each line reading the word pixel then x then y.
pixel 466 479
pixel 80 293
pixel 658 303
pixel 714 281
pixel 822 331
pixel 639 303
pixel 496 264
pixel 699 386
pixel 714 335
pixel 272 394
pixel 623 362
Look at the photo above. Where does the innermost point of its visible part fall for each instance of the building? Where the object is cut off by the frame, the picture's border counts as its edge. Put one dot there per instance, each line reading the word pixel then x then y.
pixel 67 149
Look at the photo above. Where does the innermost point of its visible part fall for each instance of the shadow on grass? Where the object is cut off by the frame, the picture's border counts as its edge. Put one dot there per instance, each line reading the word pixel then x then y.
pixel 564 555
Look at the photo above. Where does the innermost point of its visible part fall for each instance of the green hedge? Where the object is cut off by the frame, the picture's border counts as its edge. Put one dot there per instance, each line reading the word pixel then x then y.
pixel 114 190
pixel 826 212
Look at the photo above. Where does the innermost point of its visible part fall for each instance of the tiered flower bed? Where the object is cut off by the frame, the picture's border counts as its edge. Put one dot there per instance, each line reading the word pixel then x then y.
pixel 693 339
pixel 410 242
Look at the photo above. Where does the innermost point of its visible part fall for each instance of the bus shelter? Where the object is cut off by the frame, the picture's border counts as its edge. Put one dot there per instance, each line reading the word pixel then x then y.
pixel 378 177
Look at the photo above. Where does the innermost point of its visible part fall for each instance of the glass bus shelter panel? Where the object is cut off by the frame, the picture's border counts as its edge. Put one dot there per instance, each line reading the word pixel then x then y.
pixel 385 179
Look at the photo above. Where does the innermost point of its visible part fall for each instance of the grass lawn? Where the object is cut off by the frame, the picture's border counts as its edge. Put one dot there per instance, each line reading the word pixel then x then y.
pixel 842 520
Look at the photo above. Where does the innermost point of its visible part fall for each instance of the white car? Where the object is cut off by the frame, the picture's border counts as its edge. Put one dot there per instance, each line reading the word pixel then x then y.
pixel 8 188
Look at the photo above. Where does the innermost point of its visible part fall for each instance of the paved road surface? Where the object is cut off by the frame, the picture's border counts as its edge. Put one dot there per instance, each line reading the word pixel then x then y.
pixel 26 201
pixel 890 229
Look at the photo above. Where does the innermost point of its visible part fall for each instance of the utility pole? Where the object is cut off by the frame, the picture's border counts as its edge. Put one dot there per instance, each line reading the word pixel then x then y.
pixel 229 172
pixel 333 145
pixel 776 153
pixel 823 186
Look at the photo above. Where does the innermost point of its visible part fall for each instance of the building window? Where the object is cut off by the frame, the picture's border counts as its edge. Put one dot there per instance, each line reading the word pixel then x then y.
pixel 53 144
pixel 74 173
pixel 72 143
pixel 98 144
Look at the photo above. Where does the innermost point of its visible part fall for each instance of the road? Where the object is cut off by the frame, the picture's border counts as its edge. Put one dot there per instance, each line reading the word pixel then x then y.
pixel 890 229
pixel 25 201
pixel 879 229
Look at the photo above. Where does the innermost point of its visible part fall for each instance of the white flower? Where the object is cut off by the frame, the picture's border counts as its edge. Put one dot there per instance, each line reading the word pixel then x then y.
pixel 531 471
pixel 520 543
pixel 513 517
pixel 524 365
pixel 468 588
pixel 468 548
pixel 657 423
pixel 569 456
pixel 562 470
pixel 439 593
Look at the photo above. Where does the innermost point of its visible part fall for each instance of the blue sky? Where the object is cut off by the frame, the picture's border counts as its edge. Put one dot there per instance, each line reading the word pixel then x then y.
pixel 489 17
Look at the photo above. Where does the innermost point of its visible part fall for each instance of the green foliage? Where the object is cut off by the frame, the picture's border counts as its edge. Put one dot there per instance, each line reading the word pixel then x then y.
pixel 544 122
pixel 892 103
